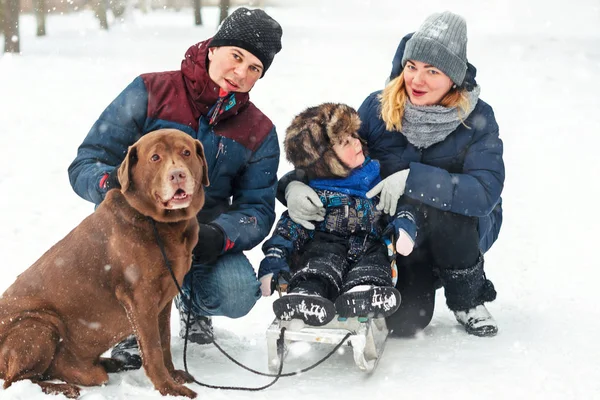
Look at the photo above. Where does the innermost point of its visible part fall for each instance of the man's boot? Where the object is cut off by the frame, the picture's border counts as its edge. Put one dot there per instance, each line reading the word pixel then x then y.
pixel 200 329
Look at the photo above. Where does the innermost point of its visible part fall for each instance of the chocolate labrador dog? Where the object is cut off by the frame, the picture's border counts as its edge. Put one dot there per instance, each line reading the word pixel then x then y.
pixel 108 277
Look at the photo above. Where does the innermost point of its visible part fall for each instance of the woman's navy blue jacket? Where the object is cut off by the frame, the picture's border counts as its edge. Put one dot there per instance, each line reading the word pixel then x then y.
pixel 463 174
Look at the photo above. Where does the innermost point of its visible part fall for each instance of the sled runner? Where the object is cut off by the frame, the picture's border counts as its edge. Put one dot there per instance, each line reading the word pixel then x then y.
pixel 367 339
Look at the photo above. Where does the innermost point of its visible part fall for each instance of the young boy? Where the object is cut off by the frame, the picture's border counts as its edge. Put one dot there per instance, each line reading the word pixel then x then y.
pixel 344 259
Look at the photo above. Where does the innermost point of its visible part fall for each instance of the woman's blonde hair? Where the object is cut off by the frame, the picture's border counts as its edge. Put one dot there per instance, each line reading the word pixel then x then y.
pixel 394 96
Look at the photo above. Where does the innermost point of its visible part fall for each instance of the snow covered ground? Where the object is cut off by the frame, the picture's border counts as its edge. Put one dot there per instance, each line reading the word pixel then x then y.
pixel 538 65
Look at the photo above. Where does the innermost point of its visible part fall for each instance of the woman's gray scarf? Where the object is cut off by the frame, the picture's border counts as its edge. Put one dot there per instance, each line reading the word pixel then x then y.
pixel 425 126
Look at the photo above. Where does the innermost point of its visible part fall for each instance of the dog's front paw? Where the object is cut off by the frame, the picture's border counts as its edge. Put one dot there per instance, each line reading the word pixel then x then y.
pixel 181 376
pixel 68 390
pixel 177 390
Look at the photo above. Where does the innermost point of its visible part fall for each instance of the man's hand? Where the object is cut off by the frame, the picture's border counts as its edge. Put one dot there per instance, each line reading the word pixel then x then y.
pixel 211 242
pixel 391 188
pixel 110 180
pixel 304 205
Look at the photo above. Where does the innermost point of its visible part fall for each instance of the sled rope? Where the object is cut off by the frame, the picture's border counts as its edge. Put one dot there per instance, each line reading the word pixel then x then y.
pixel 280 341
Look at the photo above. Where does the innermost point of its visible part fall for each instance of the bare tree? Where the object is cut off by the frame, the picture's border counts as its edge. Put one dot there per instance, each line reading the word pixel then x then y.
pixel 174 4
pixel 10 23
pixel 197 15
pixel 223 10
pixel 144 5
pixel 119 7
pixel 100 8
pixel 40 16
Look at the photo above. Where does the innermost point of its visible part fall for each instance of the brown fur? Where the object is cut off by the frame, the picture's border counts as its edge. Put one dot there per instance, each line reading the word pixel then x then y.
pixel 107 278
pixel 311 135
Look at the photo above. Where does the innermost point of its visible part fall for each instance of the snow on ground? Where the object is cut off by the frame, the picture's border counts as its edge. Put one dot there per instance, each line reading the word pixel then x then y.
pixel 538 64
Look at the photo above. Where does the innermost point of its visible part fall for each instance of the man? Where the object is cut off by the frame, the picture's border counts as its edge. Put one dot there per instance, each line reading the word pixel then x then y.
pixel 208 99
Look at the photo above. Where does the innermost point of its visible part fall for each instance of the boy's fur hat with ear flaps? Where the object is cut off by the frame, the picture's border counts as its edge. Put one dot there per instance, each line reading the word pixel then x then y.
pixel 310 138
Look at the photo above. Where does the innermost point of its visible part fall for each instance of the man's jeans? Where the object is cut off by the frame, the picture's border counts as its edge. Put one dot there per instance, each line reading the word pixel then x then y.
pixel 228 288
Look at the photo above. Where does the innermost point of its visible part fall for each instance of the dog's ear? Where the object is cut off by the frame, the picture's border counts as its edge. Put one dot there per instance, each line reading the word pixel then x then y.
pixel 125 169
pixel 200 154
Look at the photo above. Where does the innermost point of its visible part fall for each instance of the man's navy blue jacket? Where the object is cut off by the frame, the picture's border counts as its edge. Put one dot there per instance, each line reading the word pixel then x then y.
pixel 241 145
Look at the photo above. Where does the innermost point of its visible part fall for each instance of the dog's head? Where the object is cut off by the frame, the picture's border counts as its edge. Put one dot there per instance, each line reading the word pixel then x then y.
pixel 164 174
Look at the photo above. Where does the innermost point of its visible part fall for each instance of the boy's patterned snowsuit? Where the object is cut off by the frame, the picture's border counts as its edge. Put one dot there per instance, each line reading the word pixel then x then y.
pixel 345 249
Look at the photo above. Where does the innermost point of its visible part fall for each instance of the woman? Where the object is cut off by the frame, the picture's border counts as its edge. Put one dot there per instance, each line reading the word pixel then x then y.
pixel 438 145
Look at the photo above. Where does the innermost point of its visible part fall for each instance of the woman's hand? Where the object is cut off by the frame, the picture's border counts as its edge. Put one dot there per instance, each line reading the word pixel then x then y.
pixel 391 188
pixel 304 205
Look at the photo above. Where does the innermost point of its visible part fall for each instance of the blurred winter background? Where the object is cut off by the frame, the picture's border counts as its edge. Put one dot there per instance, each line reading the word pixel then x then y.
pixel 539 67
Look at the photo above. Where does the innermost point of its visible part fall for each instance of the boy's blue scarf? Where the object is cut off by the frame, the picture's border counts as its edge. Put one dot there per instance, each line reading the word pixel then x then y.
pixel 358 183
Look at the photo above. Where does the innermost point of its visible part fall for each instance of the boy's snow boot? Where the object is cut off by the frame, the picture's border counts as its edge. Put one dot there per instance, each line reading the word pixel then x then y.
pixel 477 321
pixel 128 353
pixel 368 301
pixel 200 328
pixel 306 302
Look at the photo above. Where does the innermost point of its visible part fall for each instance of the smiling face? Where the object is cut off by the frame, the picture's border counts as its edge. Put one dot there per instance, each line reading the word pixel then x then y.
pixel 350 151
pixel 233 69
pixel 425 84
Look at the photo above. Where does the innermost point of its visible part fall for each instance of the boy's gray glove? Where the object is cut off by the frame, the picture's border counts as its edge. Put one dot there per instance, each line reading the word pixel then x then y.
pixel 391 188
pixel 304 205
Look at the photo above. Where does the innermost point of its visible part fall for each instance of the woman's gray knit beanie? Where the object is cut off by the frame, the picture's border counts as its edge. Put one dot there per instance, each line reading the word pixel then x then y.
pixel 442 42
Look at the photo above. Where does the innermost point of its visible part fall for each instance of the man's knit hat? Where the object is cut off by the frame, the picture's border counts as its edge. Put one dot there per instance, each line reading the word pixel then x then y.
pixel 442 42
pixel 310 138
pixel 252 30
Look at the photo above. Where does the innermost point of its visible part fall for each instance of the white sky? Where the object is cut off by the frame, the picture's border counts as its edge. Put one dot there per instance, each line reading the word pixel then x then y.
pixel 538 65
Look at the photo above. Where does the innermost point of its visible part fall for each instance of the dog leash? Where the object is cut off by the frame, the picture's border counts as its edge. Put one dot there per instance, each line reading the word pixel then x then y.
pixel 280 340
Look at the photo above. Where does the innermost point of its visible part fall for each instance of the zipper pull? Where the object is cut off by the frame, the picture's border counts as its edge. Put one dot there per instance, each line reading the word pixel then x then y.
pixel 220 150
